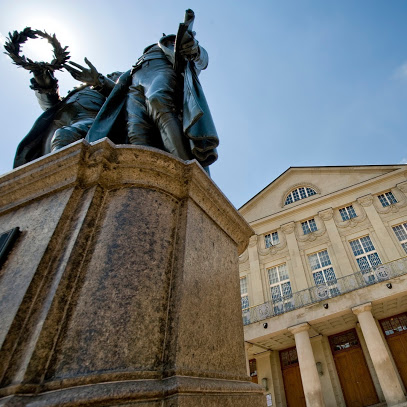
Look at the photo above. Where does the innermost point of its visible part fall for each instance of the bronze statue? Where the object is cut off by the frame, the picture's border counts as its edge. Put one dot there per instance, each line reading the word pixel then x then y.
pixel 162 100
pixel 158 103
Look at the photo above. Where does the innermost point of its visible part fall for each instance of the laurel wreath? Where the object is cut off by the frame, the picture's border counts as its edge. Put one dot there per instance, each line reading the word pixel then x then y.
pixel 13 48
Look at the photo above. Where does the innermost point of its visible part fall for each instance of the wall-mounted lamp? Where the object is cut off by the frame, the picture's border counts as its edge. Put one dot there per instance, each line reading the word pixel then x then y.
pixel 265 325
pixel 319 368
pixel 389 286
pixel 264 383
pixel 326 306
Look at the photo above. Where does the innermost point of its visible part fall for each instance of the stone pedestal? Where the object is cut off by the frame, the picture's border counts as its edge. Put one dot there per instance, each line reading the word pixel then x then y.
pixel 123 286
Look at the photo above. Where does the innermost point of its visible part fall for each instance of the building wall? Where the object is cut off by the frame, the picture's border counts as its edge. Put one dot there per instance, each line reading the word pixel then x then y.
pixel 335 188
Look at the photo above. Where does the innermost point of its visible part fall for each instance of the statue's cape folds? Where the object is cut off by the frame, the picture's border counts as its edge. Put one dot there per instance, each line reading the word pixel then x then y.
pixel 36 143
pixel 198 125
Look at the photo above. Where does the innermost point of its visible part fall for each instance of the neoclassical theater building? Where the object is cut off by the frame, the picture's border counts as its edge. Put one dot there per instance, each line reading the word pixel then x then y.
pixel 324 287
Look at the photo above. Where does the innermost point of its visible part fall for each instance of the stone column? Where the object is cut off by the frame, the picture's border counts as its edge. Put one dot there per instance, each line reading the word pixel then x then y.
pixel 386 374
pixel 340 253
pixel 295 257
pixel 257 296
pixel 309 374
pixel 385 239
pixel 247 346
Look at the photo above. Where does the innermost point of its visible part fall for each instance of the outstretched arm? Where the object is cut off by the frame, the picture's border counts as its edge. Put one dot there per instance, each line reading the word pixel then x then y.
pixel 192 51
pixel 90 76
pixel 45 86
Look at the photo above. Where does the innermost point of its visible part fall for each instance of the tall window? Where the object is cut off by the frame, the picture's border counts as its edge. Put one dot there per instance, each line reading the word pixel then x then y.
pixel 322 271
pixel 366 256
pixel 387 199
pixel 243 293
pixel 280 287
pixel 299 193
pixel 271 239
pixel 309 226
pixel 401 233
pixel 347 213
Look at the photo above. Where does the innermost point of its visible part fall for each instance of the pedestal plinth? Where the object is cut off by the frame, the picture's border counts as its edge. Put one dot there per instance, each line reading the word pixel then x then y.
pixel 123 287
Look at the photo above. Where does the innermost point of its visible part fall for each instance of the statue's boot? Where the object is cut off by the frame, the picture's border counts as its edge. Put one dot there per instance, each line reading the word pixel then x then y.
pixel 173 137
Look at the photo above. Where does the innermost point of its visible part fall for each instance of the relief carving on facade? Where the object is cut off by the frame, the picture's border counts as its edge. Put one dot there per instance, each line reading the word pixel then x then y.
pixel 392 208
pixel 253 241
pixel 326 214
pixel 244 257
pixel 288 228
pixel 353 222
pixel 265 251
pixel 312 236
pixel 365 200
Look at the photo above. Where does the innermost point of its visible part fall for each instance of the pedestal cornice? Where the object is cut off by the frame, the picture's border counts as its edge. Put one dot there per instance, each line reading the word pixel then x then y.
pixel 102 163
pixel 362 308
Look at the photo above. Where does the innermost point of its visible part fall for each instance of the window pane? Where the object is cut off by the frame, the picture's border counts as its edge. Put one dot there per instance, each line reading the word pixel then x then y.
pixel 267 240
pixel 314 261
pixel 367 244
pixel 363 263
pixel 324 258
pixel 276 293
pixel 273 277
pixel 283 272
pixel 356 247
pixel 391 197
pixel 245 302
pixel 296 195
pixel 289 199
pixel 374 259
pixel 305 228
pixel 310 192
pixel 330 275
pixel 275 239
pixel 400 232
pixel 344 214
pixel 313 225
pixel 404 246
pixel 383 200
pixel 318 278
pixel 302 192
pixel 351 211
pixel 243 286
pixel 286 288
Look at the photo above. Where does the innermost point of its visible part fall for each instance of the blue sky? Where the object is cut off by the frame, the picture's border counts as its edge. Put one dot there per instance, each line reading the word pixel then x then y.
pixel 289 83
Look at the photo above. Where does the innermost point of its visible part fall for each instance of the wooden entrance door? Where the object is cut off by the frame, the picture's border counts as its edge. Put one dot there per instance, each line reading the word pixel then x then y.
pixel 294 392
pixel 356 382
pixel 395 330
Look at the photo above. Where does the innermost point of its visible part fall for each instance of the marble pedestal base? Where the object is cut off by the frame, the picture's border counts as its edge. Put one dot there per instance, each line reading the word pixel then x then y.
pixel 122 288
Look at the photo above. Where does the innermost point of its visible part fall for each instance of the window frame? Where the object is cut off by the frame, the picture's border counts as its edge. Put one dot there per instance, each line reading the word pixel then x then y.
pixel 309 230
pixel 349 210
pixel 385 200
pixel 271 241
pixel 300 192
pixel 244 294
pixel 403 242
pixel 284 302
pixel 368 273
pixel 332 284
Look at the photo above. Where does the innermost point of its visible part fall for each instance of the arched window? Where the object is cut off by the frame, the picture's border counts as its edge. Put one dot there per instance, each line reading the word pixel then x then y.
pixel 299 193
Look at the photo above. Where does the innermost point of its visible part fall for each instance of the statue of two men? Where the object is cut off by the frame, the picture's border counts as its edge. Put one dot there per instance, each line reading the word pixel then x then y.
pixel 158 103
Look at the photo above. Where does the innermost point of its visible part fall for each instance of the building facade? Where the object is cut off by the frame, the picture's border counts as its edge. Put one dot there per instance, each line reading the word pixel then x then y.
pixel 324 287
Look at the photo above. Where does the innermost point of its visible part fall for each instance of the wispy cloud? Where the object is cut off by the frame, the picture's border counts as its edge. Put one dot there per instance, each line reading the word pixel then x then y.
pixel 401 72
pixel 403 161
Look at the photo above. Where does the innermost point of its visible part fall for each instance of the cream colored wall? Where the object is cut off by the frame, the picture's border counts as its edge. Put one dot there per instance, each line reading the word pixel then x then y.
pixel 358 187
pixel 333 234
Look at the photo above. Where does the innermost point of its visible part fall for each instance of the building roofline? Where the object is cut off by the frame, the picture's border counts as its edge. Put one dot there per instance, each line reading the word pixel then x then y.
pixel 315 166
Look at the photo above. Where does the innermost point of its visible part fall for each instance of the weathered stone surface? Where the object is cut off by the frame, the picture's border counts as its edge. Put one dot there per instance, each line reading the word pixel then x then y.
pixel 123 287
